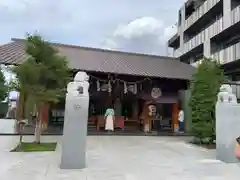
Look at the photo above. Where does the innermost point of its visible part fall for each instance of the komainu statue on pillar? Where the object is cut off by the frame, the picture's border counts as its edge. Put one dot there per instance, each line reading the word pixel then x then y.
pixel 226 95
pixel 75 123
pixel 227 125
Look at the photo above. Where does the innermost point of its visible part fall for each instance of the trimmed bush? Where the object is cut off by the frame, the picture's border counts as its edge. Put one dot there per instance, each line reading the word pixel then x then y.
pixel 204 89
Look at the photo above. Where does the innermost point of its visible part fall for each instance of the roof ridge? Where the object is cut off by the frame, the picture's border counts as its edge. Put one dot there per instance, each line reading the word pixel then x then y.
pixel 103 50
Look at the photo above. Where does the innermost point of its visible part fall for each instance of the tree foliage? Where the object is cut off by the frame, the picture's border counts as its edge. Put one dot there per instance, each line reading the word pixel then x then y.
pixel 44 74
pixel 204 89
pixel 3 87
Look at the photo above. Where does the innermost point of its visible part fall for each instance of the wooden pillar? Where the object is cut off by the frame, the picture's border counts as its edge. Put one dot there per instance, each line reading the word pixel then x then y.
pixel 118 107
pixel 135 110
pixel 45 116
pixel 175 117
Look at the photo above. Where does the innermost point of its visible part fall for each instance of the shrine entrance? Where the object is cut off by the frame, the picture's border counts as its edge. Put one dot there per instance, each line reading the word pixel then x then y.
pixel 114 76
pixel 128 100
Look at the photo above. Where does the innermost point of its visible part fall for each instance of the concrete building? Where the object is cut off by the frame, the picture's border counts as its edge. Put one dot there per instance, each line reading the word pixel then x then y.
pixel 209 28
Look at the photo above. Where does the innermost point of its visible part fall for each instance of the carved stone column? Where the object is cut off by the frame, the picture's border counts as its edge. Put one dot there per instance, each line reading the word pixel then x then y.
pixel 75 123
pixel 227 124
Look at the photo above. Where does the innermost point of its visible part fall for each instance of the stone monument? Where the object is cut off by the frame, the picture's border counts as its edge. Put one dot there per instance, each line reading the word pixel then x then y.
pixel 227 124
pixel 75 123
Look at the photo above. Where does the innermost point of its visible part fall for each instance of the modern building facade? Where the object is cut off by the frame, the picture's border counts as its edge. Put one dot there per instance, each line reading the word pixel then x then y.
pixel 209 28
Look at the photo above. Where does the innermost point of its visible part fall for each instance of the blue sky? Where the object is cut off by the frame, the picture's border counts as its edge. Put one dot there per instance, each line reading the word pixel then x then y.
pixel 135 25
pixel 127 25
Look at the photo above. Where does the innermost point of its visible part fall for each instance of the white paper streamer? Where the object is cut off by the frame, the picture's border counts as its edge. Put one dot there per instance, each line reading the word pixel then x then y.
pixel 125 88
pixel 98 85
pixel 135 88
pixel 109 86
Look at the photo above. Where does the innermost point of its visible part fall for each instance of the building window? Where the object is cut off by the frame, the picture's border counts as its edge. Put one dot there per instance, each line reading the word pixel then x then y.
pixel 179 18
pixel 189 9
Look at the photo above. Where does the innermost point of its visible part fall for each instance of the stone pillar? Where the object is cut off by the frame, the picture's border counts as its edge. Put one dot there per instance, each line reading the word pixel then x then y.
pixel 75 123
pixel 227 124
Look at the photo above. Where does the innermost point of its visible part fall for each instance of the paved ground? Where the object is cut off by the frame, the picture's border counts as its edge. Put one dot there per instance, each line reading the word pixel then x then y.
pixel 120 157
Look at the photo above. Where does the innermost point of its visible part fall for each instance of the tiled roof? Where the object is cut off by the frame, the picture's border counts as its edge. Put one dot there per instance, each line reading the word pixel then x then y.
pixel 99 60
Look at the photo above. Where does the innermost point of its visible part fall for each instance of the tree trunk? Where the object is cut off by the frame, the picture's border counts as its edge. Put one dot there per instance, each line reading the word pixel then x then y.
pixel 45 115
pixel 41 120
pixel 38 128
pixel 20 106
pixel 29 108
pixel 20 115
pixel 21 127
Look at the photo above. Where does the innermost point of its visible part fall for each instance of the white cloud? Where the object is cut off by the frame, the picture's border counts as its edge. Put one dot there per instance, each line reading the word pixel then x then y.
pixel 86 22
pixel 18 17
pixel 170 31
pixel 13 5
pixel 139 27
pixel 109 44
pixel 145 35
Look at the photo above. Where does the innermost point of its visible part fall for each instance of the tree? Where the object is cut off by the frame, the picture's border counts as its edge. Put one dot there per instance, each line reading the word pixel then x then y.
pixel 3 87
pixel 204 89
pixel 43 76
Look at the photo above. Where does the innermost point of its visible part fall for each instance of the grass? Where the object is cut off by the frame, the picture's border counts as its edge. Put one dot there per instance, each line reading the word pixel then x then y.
pixel 207 144
pixel 34 147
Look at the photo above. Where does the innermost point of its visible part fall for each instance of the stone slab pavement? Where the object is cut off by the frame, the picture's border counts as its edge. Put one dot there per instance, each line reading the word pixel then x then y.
pixel 118 158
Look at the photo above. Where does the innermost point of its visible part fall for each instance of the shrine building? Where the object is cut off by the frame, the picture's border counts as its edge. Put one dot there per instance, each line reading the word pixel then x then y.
pixel 127 80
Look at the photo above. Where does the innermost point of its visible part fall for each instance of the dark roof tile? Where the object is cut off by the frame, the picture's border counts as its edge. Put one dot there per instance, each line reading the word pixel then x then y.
pixel 100 60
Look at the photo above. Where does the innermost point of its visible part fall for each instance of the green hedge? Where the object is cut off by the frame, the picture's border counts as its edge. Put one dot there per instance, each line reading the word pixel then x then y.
pixel 3 109
pixel 204 89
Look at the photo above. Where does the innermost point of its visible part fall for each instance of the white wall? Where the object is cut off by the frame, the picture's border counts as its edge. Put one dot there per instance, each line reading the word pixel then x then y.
pixel 7 126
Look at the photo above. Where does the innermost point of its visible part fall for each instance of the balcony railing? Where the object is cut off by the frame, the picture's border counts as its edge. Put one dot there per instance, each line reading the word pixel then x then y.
pixel 235 16
pixel 177 53
pixel 228 54
pixel 236 89
pixel 195 64
pixel 207 33
pixel 200 11
pixel 214 29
